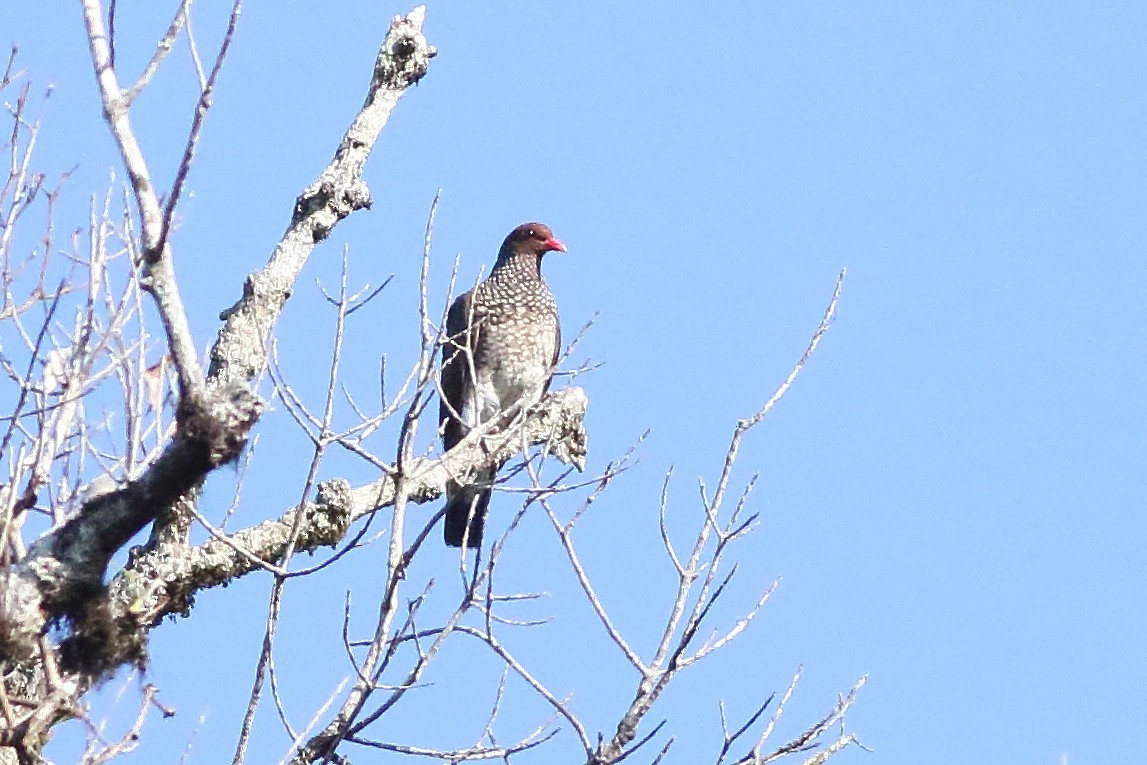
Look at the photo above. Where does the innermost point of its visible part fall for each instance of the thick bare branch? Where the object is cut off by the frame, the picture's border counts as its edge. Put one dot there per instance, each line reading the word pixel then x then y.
pixel 159 583
pixel 240 351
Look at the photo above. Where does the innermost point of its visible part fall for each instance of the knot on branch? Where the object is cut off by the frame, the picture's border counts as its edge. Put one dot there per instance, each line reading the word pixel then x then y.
pixel 220 420
pixel 562 428
pixel 154 584
pixel 405 55
pixel 331 514
pixel 326 202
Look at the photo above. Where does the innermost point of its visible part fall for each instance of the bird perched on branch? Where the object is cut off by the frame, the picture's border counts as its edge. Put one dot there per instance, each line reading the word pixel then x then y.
pixel 502 342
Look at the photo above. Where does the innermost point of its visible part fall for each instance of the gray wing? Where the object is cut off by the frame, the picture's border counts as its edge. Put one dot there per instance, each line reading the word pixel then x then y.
pixel 456 382
pixel 557 351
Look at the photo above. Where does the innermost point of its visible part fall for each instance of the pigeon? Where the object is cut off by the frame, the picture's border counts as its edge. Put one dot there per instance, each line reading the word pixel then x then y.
pixel 502 343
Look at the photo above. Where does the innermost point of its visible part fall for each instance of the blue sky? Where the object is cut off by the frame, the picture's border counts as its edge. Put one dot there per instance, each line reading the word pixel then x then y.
pixel 953 493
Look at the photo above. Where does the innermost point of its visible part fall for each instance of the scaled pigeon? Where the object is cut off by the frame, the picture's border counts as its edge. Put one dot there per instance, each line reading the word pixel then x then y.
pixel 503 340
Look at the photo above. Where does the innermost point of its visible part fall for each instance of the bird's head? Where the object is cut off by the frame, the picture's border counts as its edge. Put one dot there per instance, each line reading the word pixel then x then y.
pixel 532 239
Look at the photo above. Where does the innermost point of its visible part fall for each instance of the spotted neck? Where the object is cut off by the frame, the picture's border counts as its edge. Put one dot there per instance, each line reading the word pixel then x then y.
pixel 518 266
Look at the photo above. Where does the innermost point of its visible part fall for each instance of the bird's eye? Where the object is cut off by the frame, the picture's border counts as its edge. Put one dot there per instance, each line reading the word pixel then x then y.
pixel 531 233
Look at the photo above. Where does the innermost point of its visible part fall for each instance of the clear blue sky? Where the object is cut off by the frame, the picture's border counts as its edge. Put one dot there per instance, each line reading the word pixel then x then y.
pixel 953 493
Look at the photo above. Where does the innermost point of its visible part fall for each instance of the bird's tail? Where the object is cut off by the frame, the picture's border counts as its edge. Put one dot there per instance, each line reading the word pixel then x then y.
pixel 466 514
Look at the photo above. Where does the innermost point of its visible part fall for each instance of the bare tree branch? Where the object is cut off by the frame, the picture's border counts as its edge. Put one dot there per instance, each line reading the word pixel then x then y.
pixel 166 43
pixel 157 272
pixel 683 623
pixel 240 351
pixel 156 584
pixel 201 109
